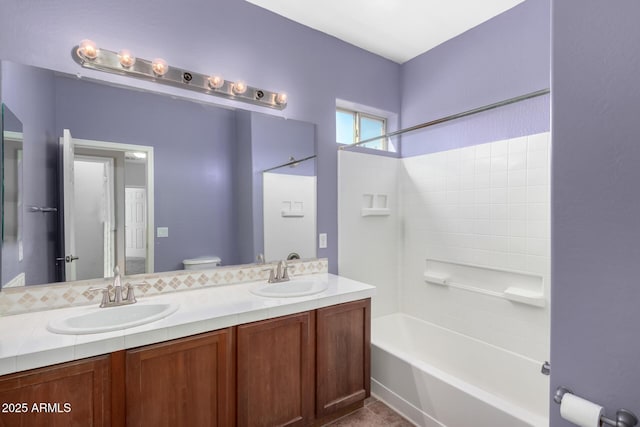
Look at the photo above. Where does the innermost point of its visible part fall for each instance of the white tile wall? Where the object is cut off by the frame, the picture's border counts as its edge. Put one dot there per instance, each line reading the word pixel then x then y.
pixel 486 205
pixel 368 247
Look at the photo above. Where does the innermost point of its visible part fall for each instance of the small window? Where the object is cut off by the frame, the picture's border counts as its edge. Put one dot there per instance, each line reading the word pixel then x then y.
pixel 355 126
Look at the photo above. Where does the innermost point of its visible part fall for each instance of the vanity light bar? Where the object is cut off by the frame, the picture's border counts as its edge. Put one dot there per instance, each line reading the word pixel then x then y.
pixel 124 63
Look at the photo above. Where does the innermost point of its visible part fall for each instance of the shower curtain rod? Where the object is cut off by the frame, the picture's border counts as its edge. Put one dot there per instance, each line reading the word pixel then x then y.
pixel 451 117
pixel 290 163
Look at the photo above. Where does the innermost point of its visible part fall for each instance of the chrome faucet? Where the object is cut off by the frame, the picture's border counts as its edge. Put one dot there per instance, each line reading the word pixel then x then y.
pixel 279 274
pixel 116 288
pixel 117 285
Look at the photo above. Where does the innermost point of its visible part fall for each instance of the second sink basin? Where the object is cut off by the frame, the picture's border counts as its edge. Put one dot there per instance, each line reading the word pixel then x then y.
pixel 292 288
pixel 111 318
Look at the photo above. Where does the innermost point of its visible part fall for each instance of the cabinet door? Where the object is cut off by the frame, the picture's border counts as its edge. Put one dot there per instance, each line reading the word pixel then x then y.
pixel 185 382
pixel 343 355
pixel 275 371
pixel 71 394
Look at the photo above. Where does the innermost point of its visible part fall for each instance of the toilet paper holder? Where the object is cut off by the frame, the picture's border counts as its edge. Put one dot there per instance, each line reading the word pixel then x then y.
pixel 624 418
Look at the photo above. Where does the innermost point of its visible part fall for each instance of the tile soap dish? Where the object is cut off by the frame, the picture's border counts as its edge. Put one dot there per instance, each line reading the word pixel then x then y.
pixel 375 205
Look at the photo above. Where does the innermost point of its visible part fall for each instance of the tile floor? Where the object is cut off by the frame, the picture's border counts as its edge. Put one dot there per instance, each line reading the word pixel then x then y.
pixel 374 414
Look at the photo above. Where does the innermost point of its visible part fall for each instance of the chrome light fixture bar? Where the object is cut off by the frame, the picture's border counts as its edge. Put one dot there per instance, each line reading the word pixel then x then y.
pixel 124 63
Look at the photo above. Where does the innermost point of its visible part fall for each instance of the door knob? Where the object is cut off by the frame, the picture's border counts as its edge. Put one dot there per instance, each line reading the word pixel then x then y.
pixel 70 258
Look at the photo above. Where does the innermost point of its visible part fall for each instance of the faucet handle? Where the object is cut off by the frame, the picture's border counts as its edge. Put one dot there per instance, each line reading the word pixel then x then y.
pixel 272 277
pixel 280 269
pixel 285 271
pixel 131 295
pixel 116 271
pixel 106 290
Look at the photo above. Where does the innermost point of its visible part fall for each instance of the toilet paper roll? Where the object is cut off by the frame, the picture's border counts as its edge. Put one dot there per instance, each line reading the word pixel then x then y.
pixel 580 411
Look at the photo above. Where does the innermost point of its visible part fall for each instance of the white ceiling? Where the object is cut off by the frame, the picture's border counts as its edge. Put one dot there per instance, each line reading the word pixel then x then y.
pixel 395 29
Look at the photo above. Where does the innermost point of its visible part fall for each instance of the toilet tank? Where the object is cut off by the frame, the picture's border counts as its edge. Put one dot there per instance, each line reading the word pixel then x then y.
pixel 202 263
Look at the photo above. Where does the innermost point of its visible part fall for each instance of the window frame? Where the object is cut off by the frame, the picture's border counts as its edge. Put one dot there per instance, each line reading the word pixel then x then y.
pixel 357 118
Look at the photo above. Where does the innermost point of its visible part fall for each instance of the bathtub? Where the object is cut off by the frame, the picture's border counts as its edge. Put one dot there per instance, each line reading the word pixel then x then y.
pixel 437 377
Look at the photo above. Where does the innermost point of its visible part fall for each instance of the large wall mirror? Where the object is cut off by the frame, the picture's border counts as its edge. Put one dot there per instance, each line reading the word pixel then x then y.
pixel 103 175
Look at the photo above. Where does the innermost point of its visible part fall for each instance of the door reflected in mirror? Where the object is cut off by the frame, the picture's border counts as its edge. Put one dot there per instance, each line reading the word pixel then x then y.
pixel 106 185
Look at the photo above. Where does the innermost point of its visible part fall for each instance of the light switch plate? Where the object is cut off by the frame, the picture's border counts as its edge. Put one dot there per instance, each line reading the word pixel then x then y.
pixel 322 240
pixel 162 232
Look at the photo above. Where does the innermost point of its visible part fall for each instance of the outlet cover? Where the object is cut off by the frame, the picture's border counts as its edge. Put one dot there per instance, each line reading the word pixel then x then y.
pixel 322 240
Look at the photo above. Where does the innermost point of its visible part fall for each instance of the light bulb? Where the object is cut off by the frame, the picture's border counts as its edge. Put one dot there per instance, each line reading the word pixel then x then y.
pixel 159 66
pixel 216 82
pixel 281 98
pixel 239 87
pixel 88 49
pixel 126 58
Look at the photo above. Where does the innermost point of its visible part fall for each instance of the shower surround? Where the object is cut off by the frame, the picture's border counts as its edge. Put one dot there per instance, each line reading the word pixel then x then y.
pixel 463 226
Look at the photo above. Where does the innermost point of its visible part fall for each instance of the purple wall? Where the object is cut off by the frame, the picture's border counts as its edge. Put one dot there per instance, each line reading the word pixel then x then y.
pixel 595 202
pixel 272 52
pixel 10 123
pixel 523 118
pixel 505 57
pixel 29 93
pixel 193 150
pixel 246 234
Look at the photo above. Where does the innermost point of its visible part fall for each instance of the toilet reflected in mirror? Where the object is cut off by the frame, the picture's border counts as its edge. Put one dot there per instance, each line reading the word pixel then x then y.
pixel 202 263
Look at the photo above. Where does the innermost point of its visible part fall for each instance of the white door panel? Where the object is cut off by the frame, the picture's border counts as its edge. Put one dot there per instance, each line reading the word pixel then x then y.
pixel 136 221
pixel 69 204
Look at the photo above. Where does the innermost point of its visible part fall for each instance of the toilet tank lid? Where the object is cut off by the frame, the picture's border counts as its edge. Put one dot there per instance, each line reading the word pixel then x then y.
pixel 203 260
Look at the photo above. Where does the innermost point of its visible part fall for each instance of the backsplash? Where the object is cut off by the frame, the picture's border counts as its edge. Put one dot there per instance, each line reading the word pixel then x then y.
pixel 67 294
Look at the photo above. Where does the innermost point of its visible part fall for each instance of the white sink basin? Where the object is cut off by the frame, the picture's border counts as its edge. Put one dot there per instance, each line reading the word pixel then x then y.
pixel 292 288
pixel 111 318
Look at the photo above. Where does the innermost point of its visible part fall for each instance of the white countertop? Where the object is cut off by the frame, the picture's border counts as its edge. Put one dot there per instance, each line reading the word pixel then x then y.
pixel 25 342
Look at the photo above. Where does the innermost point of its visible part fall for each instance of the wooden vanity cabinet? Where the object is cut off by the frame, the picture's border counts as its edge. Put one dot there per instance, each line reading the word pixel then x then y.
pixel 304 369
pixel 276 371
pixel 343 356
pixel 298 370
pixel 74 394
pixel 183 382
